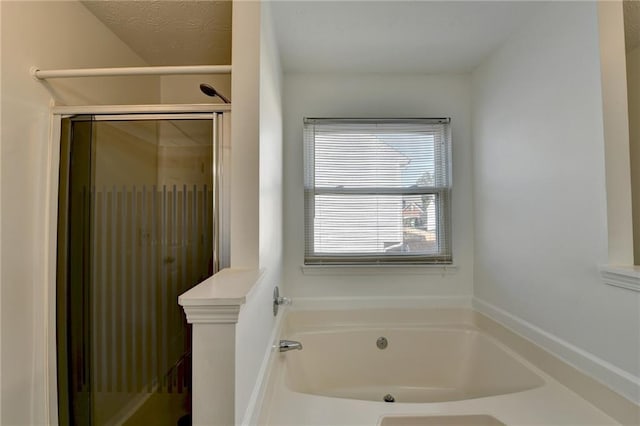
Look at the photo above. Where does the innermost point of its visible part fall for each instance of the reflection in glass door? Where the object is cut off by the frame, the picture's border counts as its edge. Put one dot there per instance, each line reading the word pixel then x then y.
pixel 136 228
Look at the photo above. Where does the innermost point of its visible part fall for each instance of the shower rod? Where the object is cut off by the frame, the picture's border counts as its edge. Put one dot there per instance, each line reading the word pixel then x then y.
pixel 129 71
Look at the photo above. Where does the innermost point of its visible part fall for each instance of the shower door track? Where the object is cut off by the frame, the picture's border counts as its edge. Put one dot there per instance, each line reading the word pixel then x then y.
pixel 219 113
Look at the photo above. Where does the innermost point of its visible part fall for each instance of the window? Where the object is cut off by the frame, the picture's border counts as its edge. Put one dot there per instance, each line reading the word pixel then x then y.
pixel 377 191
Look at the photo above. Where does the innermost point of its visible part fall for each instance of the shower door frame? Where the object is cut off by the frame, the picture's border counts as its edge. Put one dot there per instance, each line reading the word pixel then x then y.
pixel 221 162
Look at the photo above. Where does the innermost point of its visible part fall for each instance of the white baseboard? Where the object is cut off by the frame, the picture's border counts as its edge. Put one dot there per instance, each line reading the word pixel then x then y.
pixel 622 382
pixel 388 302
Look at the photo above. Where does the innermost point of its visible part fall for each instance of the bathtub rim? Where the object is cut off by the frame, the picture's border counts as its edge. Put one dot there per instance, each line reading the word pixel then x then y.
pixel 596 393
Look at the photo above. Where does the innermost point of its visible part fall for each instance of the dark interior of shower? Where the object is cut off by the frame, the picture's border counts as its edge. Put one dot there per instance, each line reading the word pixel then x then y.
pixel 135 230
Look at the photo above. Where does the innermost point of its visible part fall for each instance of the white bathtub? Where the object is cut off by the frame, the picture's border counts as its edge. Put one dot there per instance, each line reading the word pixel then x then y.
pixel 427 364
pixel 439 365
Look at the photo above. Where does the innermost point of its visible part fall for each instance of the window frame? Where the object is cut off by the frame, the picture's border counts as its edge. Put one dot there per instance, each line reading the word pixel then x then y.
pixel 442 203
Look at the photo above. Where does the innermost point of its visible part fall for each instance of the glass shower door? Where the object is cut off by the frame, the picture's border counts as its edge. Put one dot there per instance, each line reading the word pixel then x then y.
pixel 136 229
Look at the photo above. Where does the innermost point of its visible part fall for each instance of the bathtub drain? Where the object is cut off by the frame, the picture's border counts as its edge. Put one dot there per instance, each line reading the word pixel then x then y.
pixel 382 343
pixel 389 398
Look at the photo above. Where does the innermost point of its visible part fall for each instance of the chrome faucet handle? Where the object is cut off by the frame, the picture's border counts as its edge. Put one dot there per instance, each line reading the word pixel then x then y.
pixel 289 345
pixel 279 300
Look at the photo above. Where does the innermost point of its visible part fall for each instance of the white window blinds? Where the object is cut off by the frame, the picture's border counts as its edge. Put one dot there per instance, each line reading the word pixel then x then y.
pixel 377 191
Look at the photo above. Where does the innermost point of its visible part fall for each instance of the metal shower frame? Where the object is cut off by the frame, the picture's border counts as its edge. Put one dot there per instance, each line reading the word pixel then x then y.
pixel 219 113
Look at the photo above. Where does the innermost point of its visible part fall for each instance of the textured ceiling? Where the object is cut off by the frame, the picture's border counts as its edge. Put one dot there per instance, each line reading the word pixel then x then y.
pixel 632 23
pixel 170 32
pixel 320 36
pixel 393 36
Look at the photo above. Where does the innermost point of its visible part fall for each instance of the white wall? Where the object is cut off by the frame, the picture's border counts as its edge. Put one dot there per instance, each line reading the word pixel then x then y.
pixel 256 320
pixel 48 35
pixel 539 186
pixel 633 88
pixel 377 95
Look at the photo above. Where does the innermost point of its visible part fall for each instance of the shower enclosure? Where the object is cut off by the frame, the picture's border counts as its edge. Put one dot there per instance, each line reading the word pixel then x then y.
pixel 138 224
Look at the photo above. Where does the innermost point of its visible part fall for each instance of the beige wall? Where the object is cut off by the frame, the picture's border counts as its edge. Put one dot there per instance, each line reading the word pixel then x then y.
pixel 185 154
pixel 126 153
pixel 48 35
pixel 633 89
pixel 257 320
pixel 179 89
pixel 245 197
pixel 245 154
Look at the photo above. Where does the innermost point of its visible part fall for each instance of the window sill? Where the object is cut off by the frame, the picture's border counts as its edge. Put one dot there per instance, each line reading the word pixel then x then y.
pixel 627 277
pixel 379 269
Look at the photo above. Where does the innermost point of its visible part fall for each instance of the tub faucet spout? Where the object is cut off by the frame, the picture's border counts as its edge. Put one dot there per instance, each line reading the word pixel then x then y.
pixel 289 345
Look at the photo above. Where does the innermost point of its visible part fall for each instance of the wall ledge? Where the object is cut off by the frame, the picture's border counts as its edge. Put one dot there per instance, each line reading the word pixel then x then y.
pixel 627 277
pixel 217 300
